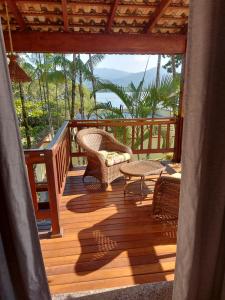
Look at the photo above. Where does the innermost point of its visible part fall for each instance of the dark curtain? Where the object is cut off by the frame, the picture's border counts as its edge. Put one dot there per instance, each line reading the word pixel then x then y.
pixel 22 274
pixel 200 262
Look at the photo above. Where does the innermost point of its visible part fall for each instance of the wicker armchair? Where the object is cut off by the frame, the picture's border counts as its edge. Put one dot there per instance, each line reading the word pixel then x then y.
pixel 166 198
pixel 94 141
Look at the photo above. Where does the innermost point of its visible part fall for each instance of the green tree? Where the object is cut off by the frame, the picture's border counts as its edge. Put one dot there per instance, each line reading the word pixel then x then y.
pixel 173 63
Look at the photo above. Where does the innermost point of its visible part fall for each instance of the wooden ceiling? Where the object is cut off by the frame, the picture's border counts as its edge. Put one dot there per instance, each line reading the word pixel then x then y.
pixel 128 26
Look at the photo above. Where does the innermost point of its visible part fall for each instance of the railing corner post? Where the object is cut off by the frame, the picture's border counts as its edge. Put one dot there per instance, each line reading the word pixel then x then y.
pixel 178 140
pixel 53 192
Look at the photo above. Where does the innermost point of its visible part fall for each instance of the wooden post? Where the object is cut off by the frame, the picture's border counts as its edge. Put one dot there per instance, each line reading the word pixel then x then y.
pixel 70 146
pixel 31 177
pixel 180 118
pixel 53 192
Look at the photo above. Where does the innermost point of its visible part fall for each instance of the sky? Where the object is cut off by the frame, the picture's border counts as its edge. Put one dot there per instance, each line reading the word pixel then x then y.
pixel 128 63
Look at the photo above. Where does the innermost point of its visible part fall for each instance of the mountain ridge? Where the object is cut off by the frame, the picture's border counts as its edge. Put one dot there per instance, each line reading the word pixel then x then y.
pixel 124 78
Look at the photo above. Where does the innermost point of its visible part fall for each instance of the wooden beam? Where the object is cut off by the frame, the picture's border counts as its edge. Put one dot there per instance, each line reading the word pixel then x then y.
pixel 175 6
pixel 157 14
pixel 65 15
pixel 112 15
pixel 17 15
pixel 68 42
pixel 96 15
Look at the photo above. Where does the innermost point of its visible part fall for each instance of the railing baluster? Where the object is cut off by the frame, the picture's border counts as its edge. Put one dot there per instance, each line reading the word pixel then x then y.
pixel 168 136
pixel 150 137
pixel 115 132
pixel 124 135
pixel 142 137
pixel 32 182
pixel 133 137
pixel 159 136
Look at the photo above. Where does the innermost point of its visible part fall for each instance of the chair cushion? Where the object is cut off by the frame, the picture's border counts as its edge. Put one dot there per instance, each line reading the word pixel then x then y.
pixel 113 158
pixel 176 175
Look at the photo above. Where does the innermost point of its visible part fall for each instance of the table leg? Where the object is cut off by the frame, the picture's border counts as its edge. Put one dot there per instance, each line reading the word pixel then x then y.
pixel 142 183
pixel 124 187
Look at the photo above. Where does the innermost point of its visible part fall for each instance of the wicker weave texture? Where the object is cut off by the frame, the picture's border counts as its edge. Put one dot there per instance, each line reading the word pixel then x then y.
pixel 166 197
pixel 93 140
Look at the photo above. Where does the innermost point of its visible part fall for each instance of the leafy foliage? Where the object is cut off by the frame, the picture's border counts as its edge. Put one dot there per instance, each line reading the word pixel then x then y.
pixel 177 62
pixel 47 98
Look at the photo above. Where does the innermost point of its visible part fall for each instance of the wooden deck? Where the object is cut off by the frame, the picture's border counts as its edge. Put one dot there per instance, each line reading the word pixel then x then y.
pixel 107 242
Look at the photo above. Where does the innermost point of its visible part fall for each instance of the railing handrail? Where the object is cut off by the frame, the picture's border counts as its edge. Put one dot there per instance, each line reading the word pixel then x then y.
pixel 123 119
pixel 58 136
pixel 122 122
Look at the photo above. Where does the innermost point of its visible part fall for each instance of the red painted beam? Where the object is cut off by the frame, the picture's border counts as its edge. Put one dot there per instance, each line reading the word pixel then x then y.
pixel 66 42
pixel 17 15
pixel 157 15
pixel 112 15
pixel 65 15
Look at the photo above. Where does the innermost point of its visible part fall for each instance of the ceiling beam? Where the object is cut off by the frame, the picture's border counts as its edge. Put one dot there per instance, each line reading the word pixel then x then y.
pixel 175 6
pixel 157 15
pixel 96 15
pixel 69 42
pixel 112 15
pixel 65 15
pixel 16 13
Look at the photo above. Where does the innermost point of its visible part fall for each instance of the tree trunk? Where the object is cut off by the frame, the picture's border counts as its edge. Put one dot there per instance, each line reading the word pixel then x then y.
pixel 24 116
pixel 157 84
pixel 46 93
pixel 40 93
pixel 57 101
pixel 49 107
pixel 73 91
pixel 173 66
pixel 81 92
pixel 157 81
pixel 93 81
pixel 67 100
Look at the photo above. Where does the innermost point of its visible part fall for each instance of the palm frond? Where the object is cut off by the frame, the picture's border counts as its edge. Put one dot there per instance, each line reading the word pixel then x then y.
pixel 117 90
pixel 94 60
pixel 105 107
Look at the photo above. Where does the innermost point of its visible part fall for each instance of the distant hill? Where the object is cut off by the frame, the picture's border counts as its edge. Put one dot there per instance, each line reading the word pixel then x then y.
pixel 125 78
pixel 110 74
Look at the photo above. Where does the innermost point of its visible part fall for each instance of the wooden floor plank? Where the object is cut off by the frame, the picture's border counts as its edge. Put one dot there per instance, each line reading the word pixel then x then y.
pixel 112 283
pixel 108 241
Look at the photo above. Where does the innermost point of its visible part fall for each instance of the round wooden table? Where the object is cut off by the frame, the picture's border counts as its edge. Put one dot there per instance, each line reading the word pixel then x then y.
pixel 141 168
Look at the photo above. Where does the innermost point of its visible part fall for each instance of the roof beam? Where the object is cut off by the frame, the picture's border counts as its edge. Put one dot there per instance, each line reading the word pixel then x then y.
pixel 70 42
pixel 112 15
pixel 16 13
pixel 65 15
pixel 157 15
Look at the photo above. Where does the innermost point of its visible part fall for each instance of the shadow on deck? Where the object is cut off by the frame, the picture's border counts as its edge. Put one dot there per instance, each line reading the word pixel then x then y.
pixel 108 241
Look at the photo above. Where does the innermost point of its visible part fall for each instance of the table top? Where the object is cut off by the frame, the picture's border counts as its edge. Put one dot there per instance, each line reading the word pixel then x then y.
pixel 142 168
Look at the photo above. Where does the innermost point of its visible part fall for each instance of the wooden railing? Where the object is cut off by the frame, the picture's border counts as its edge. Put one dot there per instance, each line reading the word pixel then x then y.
pixel 144 136
pixel 47 168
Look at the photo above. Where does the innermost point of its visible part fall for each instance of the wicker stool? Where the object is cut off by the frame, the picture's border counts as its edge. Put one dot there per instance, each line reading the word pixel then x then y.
pixel 166 198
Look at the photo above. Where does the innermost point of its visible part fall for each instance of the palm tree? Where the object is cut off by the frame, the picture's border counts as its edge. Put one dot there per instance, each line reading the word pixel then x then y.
pixel 158 71
pixel 86 72
pixel 139 102
pixel 73 88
